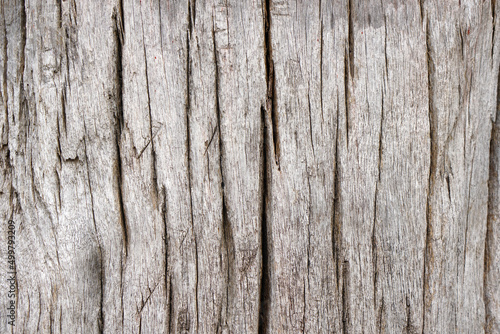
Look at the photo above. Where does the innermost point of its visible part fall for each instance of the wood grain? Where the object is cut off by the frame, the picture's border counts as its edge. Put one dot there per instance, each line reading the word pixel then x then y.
pixel 219 166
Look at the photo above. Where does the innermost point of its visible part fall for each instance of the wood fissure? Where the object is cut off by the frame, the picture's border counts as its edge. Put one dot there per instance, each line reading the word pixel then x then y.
pixel 321 68
pixel 345 298
pixel 188 153
pixel 494 20
pixel 271 106
pixel 350 38
pixel 428 257
pixel 151 136
pixel 164 208
pixel 4 92
pixel 336 214
pixel 347 96
pixel 491 250
pixel 265 293
pixel 120 124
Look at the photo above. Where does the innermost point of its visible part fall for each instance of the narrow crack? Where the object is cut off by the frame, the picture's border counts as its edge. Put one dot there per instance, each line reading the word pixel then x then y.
pixel 170 307
pixel 493 200
pixel 119 32
pixel 421 8
pixel 164 212
pixel 225 223
pixel 265 297
pixel 336 222
pixel 350 37
pixel 346 94
pixel 494 18
pixel 374 227
pixel 151 136
pixel 120 124
pixel 321 70
pixel 309 218
pixel 409 327
pixel 188 144
pixel 310 122
pixel 345 298
pixel 432 170
pixel 271 103
pixel 5 96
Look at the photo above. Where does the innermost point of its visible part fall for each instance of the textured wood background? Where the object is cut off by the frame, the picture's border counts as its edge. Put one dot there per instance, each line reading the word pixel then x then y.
pixel 253 166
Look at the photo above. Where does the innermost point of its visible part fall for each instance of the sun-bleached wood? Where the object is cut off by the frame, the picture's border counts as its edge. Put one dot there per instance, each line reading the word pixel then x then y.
pixel 255 166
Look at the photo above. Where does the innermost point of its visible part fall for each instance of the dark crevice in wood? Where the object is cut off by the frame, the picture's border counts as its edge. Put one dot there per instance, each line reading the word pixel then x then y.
pixel 188 150
pixel 428 256
pixel 492 217
pixel 310 123
pixel 227 237
pixel 345 298
pixel 58 185
pixel 51 315
pixel 346 94
pixel 227 233
pixel 336 219
pixel 4 93
pixel 408 328
pixel 265 291
pixel 120 117
pixel 192 14
pixel 23 102
pixel 66 47
pixel 385 57
pixel 271 103
pixel 421 7
pixel 164 212
pixel 39 310
pixel 121 21
pixel 154 174
pixel 447 178
pixel 304 307
pixel 349 63
pixel 462 43
pixel 59 149
pixel 321 70
pixel 309 215
pixel 218 111
pixel 308 251
pixel 226 226
pixel 145 301
pixel 494 18
pixel 350 34
pixel 60 319
pixel 374 227
pixel 63 108
pixel 119 41
pixel 59 13
pixel 170 308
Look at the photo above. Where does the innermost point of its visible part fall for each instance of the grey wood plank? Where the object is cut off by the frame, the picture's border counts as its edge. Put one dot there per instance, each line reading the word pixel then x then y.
pixel 462 80
pixel 239 39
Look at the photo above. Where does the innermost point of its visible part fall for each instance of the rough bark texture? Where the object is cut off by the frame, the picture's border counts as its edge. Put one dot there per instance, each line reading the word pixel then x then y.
pixel 256 166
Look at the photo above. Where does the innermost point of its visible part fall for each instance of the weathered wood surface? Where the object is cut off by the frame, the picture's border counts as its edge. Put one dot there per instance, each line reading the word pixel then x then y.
pixel 251 166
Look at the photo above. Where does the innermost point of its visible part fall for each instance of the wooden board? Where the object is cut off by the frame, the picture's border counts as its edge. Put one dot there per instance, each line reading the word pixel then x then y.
pixel 219 166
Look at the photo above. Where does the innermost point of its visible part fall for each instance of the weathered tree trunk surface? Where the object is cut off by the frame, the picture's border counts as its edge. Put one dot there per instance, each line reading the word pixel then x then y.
pixel 250 166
